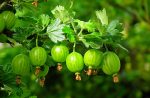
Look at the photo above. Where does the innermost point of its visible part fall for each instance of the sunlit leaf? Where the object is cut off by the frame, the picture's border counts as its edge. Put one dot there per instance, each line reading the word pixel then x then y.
pixel 92 40
pixel 44 20
pixel 61 13
pixel 55 32
pixel 69 33
pixel 102 16
pixel 89 26
pixel 114 27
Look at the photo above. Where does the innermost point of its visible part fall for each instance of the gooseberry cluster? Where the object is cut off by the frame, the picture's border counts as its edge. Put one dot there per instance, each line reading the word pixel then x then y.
pixel 93 59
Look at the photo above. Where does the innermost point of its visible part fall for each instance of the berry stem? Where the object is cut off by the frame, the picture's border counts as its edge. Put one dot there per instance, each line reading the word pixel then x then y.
pixel 73 27
pixel 80 33
pixel 74 46
pixel 37 40
pixel 106 47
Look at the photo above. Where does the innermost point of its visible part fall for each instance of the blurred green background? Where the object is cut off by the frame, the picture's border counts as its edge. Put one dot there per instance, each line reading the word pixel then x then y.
pixel 135 64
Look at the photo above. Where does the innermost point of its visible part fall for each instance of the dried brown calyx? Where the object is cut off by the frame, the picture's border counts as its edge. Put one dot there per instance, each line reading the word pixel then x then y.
pixel 115 78
pixel 59 66
pixel 42 81
pixel 18 79
pixel 94 72
pixel 37 71
pixel 35 3
pixel 91 71
pixel 78 77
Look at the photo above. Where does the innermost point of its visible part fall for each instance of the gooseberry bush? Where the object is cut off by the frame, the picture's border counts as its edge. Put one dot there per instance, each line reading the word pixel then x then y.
pixel 57 38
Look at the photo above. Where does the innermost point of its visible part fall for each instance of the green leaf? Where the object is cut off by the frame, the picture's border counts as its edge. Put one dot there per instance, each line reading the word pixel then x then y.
pixel 114 27
pixel 55 32
pixel 48 44
pixel 16 1
pixel 122 47
pixel 61 13
pixel 3 38
pixel 6 75
pixel 88 44
pixel 21 12
pixel 92 40
pixel 102 16
pixel 50 62
pixel 33 97
pixel 80 23
pixel 25 26
pixel 24 9
pixel 69 33
pixel 18 91
pixel 99 27
pixel 94 35
pixel 89 26
pixel 44 20
pixel 7 68
pixel 109 39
